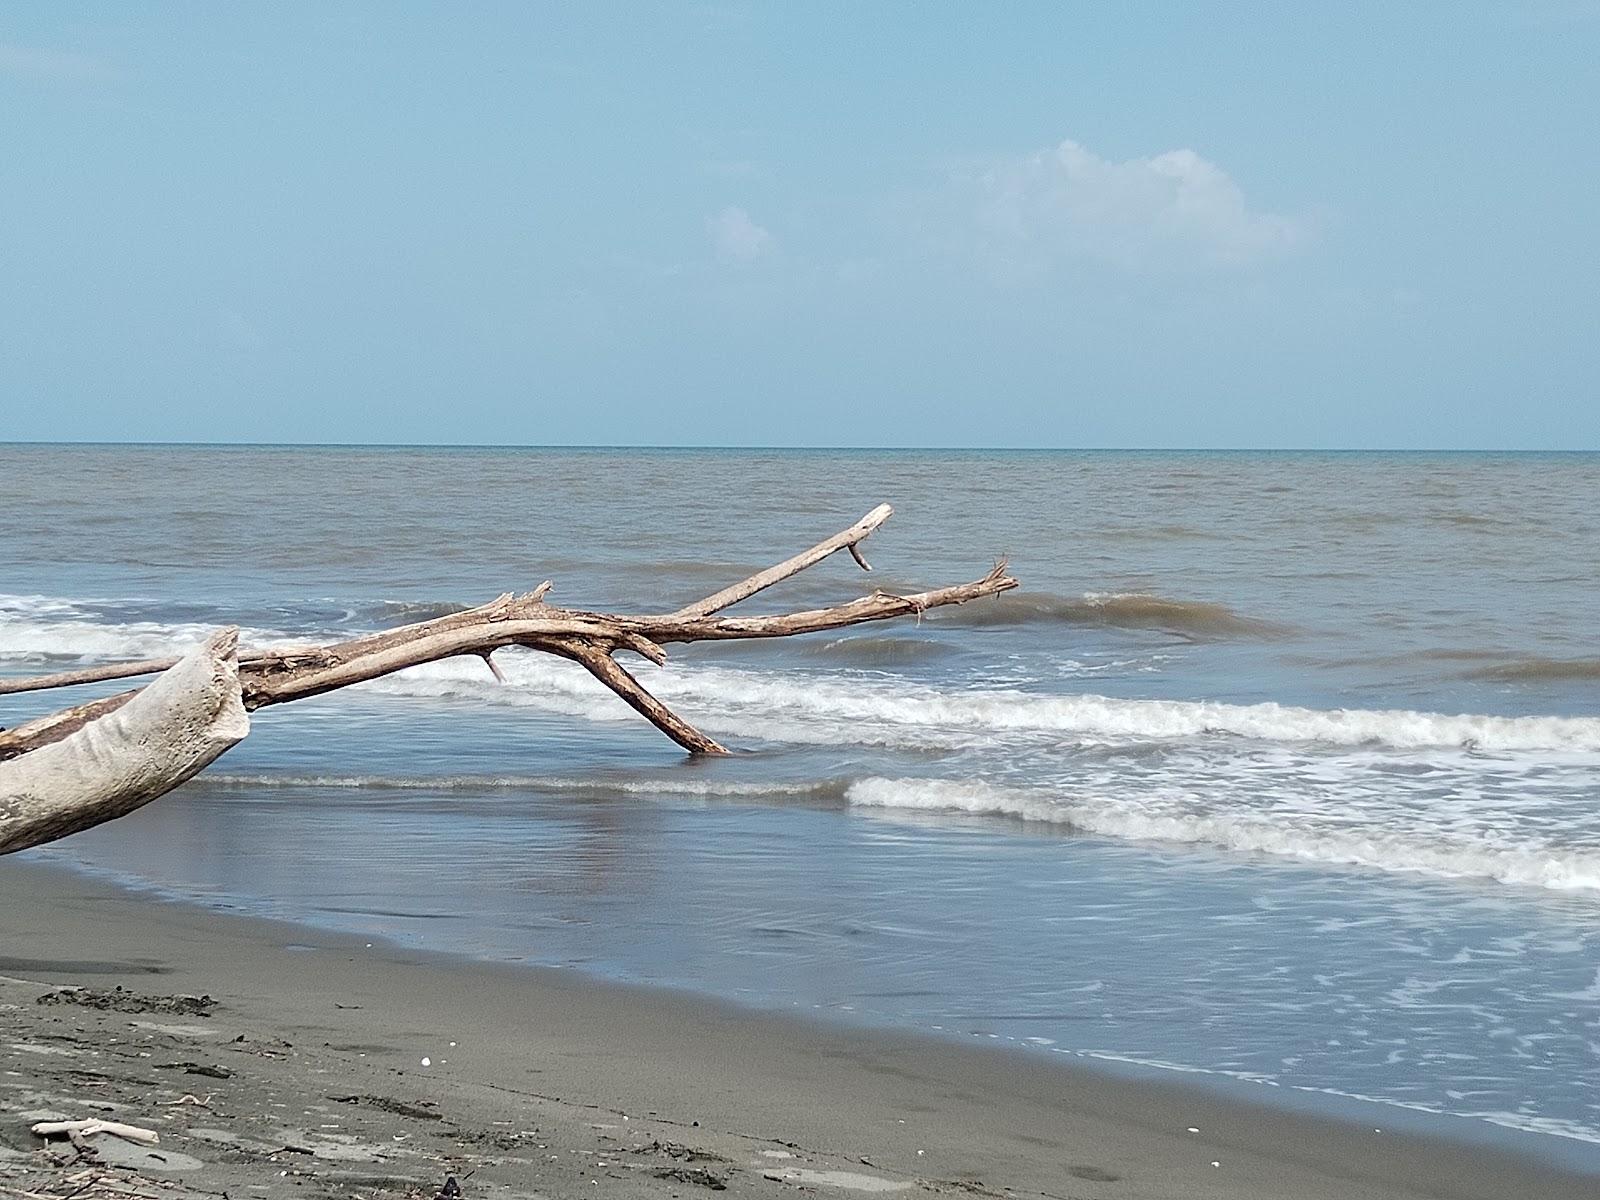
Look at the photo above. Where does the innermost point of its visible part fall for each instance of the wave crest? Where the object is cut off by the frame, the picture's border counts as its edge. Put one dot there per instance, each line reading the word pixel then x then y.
pixel 404 612
pixel 1540 670
pixel 1461 857
pixel 1123 610
pixel 837 710
pixel 870 651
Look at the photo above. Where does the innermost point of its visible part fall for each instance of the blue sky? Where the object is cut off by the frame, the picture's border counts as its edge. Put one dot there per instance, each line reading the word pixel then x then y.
pixel 937 224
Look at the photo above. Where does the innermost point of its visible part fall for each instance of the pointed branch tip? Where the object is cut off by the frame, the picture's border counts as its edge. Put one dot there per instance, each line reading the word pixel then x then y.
pixel 845 539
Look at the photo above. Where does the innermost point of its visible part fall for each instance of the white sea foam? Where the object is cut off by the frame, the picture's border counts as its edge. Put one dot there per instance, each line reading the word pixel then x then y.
pixel 861 711
pixel 1550 1126
pixel 38 628
pixel 1425 845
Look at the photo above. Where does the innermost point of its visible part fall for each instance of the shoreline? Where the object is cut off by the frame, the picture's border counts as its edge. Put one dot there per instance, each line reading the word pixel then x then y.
pixel 1563 1150
pixel 754 1102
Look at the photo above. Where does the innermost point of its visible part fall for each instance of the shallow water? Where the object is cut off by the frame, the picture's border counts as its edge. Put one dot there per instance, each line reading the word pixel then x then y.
pixel 1281 766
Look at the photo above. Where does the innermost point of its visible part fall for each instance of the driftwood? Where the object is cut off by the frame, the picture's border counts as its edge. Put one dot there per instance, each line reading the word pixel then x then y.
pixel 591 639
pixel 92 1128
pixel 144 748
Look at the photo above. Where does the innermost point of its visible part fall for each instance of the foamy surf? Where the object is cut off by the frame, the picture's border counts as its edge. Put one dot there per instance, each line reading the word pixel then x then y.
pixel 1435 852
pixel 44 628
pixel 806 707
pixel 44 641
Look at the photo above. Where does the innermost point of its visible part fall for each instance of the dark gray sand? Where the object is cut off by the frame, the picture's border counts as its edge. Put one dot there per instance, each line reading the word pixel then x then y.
pixel 328 1067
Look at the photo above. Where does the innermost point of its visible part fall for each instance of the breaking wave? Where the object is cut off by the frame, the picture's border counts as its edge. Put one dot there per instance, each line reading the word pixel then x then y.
pixel 50 641
pixel 1126 610
pixel 42 629
pixel 1368 846
pixel 869 712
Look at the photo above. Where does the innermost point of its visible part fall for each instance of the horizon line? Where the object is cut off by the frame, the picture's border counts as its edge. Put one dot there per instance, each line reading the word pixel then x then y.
pixel 995 449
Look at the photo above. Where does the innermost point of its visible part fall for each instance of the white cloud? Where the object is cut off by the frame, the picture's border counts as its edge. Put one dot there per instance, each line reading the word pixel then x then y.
pixel 737 237
pixel 1173 210
pixel 31 62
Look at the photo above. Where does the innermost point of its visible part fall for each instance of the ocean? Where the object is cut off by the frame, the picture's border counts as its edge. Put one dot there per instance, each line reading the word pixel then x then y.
pixel 1280 768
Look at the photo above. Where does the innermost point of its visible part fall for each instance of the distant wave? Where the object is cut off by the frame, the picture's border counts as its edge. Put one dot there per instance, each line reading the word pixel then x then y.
pixel 865 650
pixel 1537 670
pixel 1125 610
pixel 1534 866
pixel 1470 663
pixel 1161 533
pixel 403 612
pixel 1468 520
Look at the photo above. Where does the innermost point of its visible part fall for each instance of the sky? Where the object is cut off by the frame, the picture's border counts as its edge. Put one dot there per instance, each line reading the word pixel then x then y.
pixel 936 224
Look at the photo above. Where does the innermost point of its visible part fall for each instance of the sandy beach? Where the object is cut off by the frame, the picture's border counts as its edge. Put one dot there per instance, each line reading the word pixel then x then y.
pixel 328 1066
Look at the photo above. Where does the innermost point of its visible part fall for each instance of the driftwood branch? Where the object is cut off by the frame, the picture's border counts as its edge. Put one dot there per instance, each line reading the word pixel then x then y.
pixel 611 673
pixel 93 1127
pixel 591 639
pixel 745 588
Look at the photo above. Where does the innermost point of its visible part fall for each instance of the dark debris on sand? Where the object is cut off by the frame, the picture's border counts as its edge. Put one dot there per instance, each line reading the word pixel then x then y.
pixel 325 1121
pixel 118 999
pixel 698 1176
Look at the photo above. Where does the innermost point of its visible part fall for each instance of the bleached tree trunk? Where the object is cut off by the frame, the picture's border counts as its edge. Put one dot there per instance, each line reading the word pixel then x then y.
pixel 143 749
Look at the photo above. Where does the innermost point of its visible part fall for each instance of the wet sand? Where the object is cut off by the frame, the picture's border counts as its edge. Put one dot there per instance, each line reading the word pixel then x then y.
pixel 331 1067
